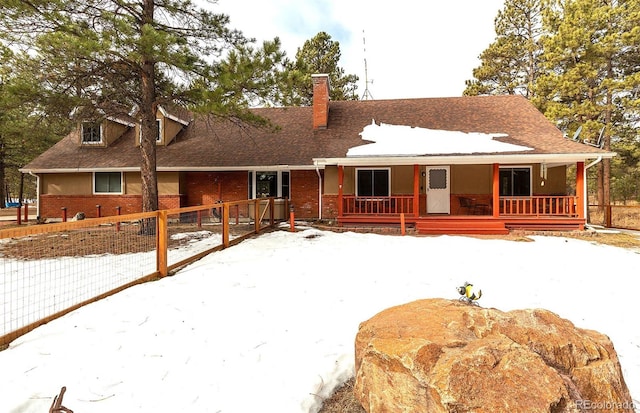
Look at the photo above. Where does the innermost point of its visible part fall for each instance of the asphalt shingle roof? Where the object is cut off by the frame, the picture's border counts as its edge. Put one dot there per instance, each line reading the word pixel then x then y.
pixel 217 144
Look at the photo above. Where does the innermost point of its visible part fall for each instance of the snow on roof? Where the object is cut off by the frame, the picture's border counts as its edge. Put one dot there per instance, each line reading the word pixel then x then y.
pixel 402 140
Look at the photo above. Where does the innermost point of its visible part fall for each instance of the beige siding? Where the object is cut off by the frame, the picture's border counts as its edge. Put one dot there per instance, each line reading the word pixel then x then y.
pixel 471 179
pixel 555 184
pixel 349 183
pixel 112 131
pixel 66 184
pixel 82 183
pixel 171 129
pixel 168 183
pixel 402 180
pixel 331 180
pixel 132 183
pixel 465 179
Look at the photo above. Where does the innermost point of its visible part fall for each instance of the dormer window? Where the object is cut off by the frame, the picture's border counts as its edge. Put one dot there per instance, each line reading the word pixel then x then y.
pixel 91 132
pixel 158 132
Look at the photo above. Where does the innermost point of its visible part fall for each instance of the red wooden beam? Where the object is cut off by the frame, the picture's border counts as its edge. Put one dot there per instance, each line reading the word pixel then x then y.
pixel 496 190
pixel 580 194
pixel 340 190
pixel 416 190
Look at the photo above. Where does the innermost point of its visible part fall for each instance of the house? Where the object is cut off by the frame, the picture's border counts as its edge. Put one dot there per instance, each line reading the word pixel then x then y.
pixel 460 164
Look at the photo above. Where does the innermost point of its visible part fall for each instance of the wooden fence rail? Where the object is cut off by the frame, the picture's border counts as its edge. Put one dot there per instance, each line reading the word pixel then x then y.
pixel 615 216
pixel 109 254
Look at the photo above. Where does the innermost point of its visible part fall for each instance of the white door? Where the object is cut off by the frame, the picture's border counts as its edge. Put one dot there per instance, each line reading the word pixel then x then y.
pixel 438 190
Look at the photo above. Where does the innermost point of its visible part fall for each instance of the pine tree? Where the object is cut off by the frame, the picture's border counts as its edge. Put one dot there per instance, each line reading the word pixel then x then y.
pixel 320 54
pixel 578 61
pixel 26 129
pixel 510 65
pixel 110 56
pixel 586 75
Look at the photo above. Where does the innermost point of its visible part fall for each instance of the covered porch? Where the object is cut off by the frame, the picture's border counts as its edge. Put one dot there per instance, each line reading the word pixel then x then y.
pixel 464 211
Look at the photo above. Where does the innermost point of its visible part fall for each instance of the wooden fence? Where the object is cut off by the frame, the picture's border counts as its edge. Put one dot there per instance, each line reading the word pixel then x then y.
pixel 615 216
pixel 49 270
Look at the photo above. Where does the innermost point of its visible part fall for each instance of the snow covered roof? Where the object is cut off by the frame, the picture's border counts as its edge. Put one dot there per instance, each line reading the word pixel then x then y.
pixel 402 140
pixel 208 144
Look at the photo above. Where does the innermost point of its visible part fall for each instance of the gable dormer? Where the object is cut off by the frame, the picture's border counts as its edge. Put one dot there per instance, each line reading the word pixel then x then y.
pixel 102 132
pixel 169 124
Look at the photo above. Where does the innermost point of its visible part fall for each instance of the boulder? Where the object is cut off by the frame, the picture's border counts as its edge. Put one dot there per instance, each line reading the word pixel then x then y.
pixel 438 355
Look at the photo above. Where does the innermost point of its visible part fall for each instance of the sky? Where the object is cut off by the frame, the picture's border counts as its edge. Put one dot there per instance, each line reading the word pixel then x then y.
pixel 412 49
pixel 270 324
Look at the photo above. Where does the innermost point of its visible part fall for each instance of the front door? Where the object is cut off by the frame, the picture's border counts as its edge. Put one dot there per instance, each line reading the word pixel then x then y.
pixel 437 184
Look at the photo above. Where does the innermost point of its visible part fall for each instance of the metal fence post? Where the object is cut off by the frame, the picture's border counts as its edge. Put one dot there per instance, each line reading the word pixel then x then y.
pixel 117 223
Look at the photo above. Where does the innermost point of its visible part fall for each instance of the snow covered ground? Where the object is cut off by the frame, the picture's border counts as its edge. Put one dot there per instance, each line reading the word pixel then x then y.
pixel 269 324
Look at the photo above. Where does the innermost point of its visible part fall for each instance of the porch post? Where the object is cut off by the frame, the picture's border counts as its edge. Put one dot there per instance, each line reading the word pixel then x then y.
pixel 581 202
pixel 495 191
pixel 416 190
pixel 340 193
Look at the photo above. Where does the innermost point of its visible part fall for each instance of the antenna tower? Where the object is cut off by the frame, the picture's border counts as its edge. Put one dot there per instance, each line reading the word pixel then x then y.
pixel 366 95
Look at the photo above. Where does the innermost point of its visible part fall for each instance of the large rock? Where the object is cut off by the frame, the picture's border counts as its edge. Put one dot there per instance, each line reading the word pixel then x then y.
pixel 441 355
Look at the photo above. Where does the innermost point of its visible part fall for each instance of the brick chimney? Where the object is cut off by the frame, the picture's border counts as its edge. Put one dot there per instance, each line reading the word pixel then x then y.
pixel 320 101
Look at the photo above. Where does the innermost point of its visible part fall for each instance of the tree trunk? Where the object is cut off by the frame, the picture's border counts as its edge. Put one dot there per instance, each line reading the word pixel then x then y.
pixel 3 185
pixel 148 131
pixel 606 164
pixel 21 189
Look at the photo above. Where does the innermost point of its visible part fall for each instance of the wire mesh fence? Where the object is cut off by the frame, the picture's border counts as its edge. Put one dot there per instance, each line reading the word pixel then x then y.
pixel 615 216
pixel 49 270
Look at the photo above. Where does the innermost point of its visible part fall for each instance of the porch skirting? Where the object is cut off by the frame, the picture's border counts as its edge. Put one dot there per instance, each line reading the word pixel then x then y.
pixel 468 224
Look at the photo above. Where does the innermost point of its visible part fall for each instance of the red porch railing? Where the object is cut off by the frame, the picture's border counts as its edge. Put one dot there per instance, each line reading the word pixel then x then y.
pixel 544 205
pixel 547 205
pixel 386 205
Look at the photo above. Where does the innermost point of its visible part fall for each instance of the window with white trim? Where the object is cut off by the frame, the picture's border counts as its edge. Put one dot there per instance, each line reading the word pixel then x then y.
pixel 373 182
pixel 515 181
pixel 263 184
pixel 158 131
pixel 91 132
pixel 107 182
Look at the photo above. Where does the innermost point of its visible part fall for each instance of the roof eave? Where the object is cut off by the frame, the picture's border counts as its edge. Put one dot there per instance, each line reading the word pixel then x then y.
pixel 172 169
pixel 463 159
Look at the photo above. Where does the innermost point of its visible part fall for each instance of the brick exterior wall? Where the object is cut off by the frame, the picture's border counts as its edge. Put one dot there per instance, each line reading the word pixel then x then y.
pixel 51 205
pixel 304 194
pixel 329 207
pixel 202 188
pixel 197 188
pixel 320 101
